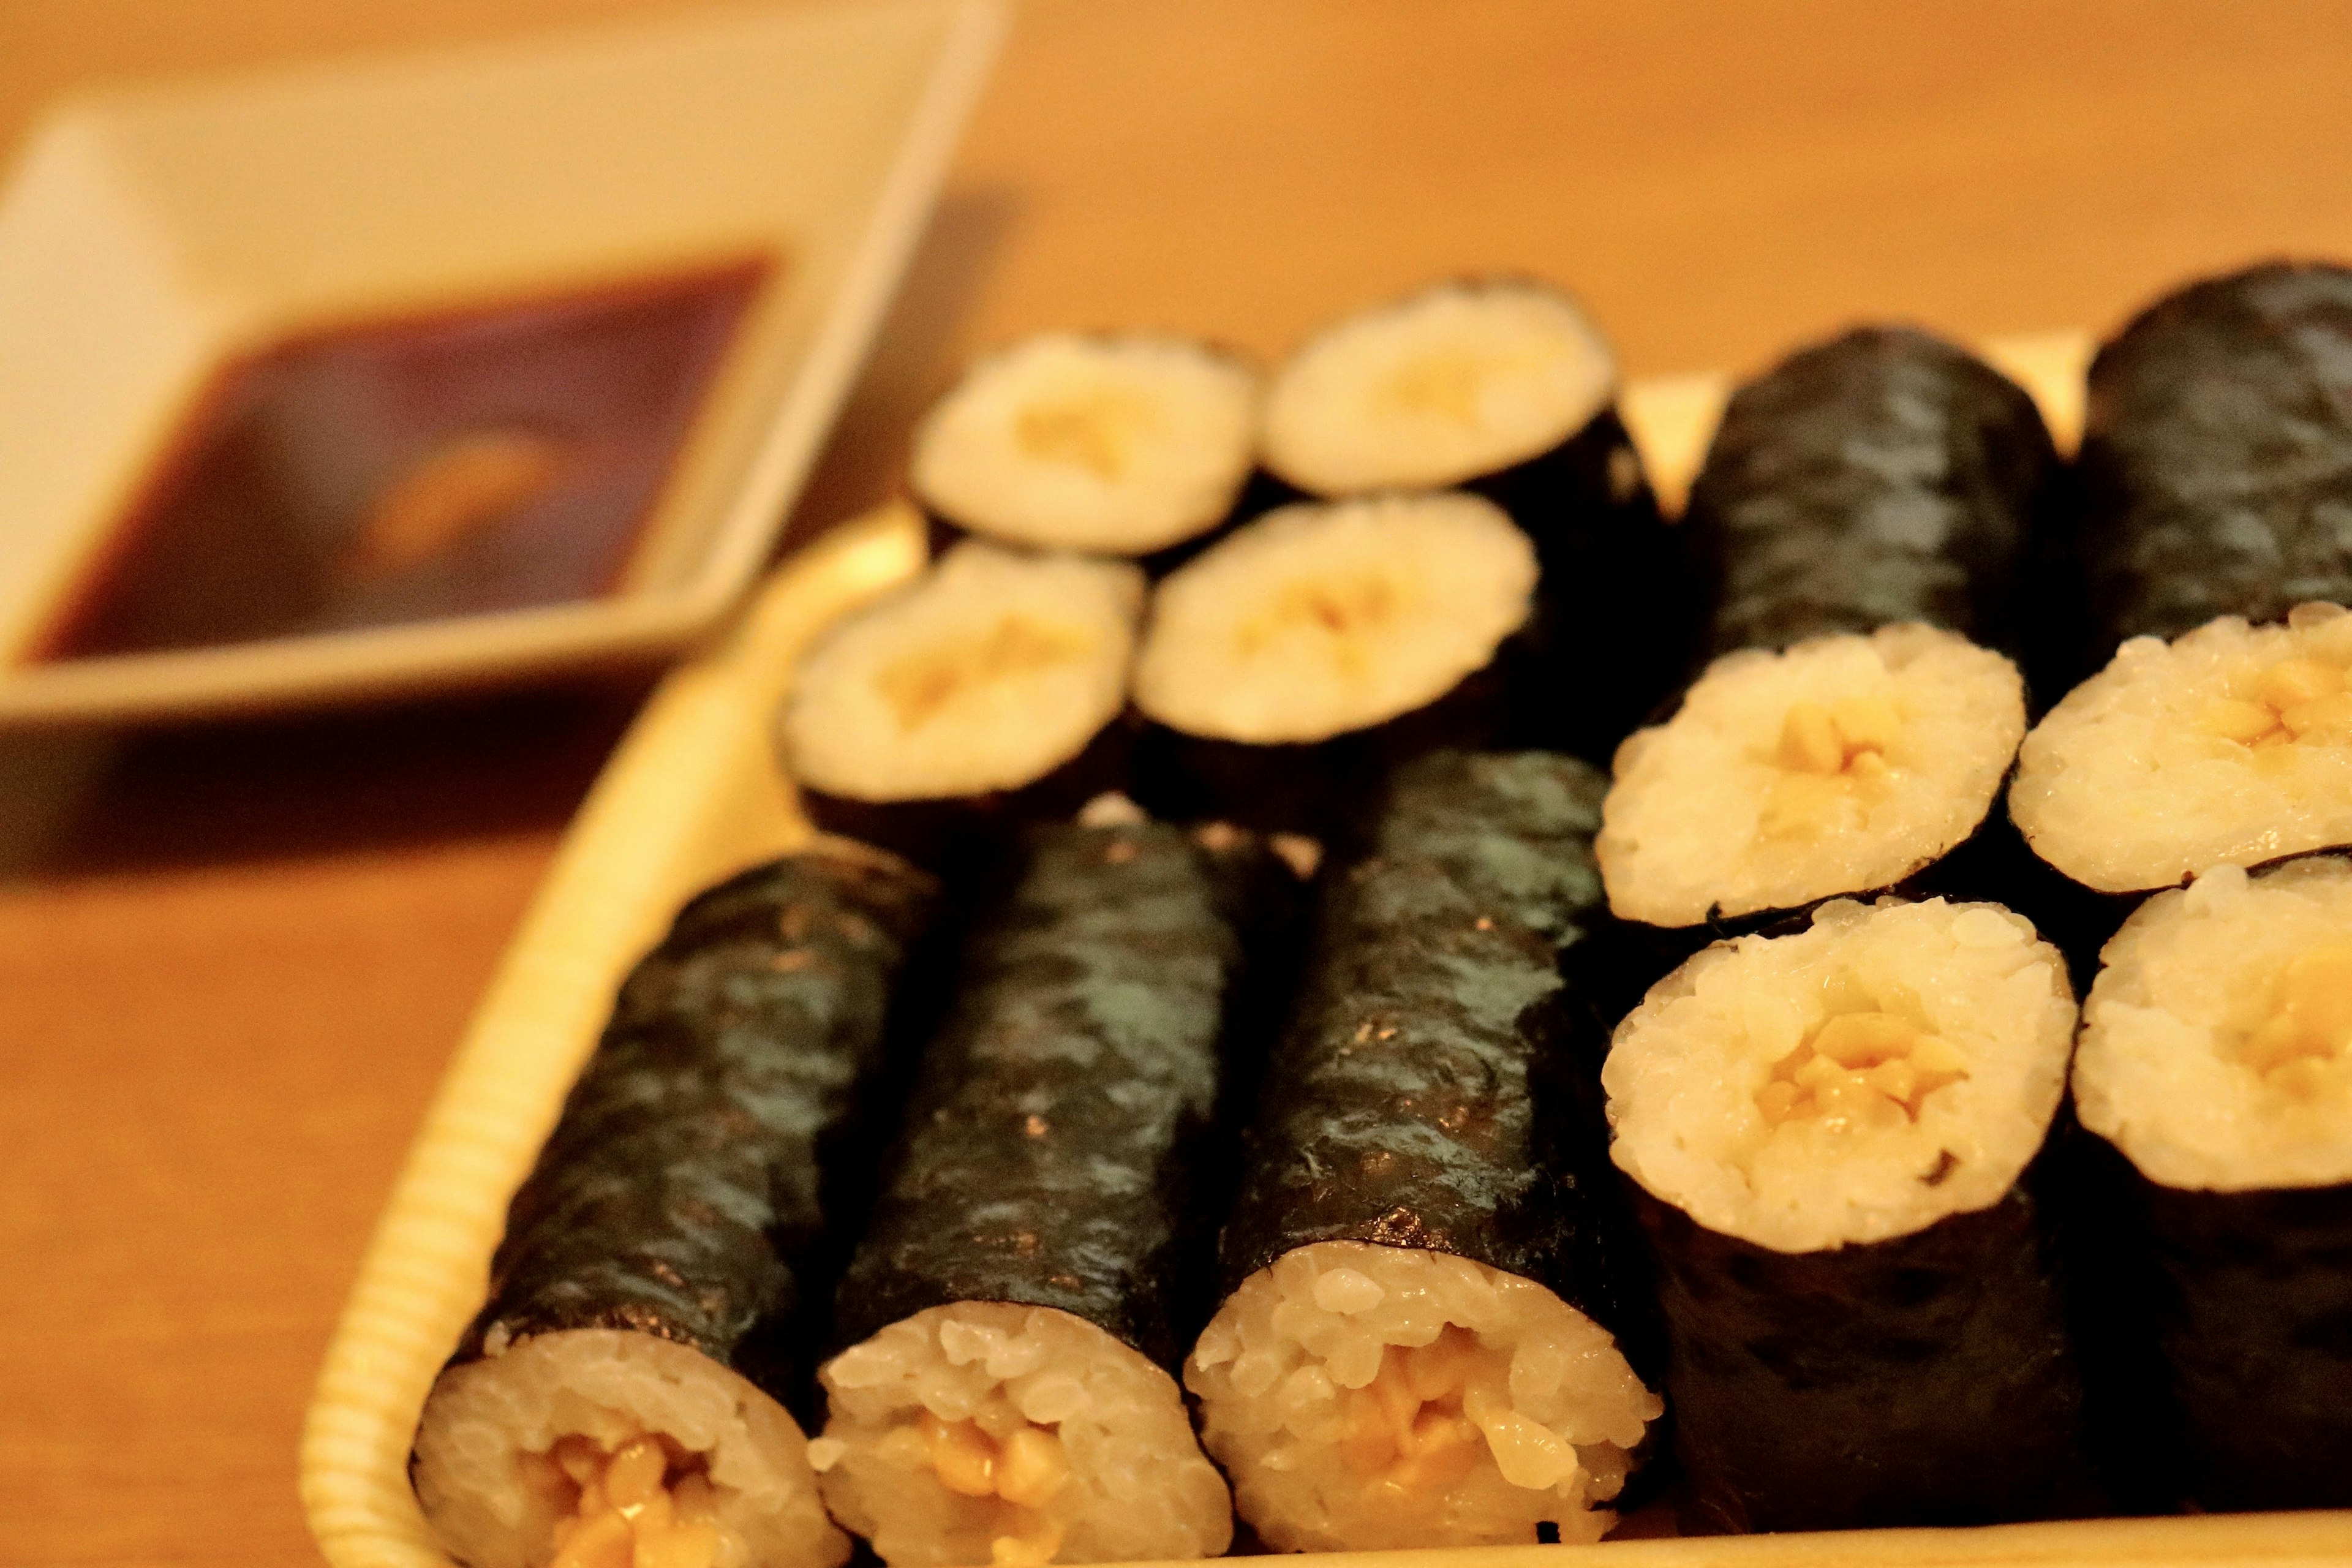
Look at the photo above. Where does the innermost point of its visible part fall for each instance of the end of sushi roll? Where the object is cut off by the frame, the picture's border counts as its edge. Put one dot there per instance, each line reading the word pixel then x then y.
pixel 1457 382
pixel 1119 445
pixel 2229 745
pixel 1367 1398
pixel 1861 1080
pixel 2217 1041
pixel 986 681
pixel 1842 764
pixel 987 1432
pixel 594 1446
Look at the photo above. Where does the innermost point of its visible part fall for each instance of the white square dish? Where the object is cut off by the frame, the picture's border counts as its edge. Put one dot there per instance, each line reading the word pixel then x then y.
pixel 148 238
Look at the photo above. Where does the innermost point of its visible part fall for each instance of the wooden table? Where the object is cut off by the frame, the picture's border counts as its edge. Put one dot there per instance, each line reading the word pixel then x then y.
pixel 233 959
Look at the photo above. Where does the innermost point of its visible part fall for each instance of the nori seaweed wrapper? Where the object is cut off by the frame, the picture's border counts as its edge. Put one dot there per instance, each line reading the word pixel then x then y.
pixel 706 1164
pixel 1061 1146
pixel 1923 1380
pixel 1881 477
pixel 2216 456
pixel 1425 1094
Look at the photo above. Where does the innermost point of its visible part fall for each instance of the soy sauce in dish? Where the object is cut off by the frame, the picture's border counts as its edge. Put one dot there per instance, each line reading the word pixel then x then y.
pixel 490 457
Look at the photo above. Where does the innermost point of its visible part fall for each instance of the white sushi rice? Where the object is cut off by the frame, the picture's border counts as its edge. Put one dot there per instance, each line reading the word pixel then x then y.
pixel 1317 619
pixel 496 1498
pixel 1117 445
pixel 987 672
pixel 1841 764
pixel 2217 1043
pixel 2229 746
pixel 1459 381
pixel 1366 1397
pixel 990 1433
pixel 1859 1080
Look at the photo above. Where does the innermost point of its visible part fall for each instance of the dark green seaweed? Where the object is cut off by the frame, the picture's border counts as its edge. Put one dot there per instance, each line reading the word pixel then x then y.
pixel 717 1143
pixel 1059 1149
pixel 1424 1094
pixel 1925 1380
pixel 1881 477
pixel 2216 456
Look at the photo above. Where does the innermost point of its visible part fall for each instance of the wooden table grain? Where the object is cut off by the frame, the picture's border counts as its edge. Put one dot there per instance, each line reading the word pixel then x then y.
pixel 233 959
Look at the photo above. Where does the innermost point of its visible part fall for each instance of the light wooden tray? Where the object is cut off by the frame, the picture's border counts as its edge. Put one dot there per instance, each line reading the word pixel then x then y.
pixel 694 793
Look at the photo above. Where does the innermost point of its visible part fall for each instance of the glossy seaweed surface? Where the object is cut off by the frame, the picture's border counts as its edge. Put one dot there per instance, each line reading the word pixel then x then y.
pixel 713 1138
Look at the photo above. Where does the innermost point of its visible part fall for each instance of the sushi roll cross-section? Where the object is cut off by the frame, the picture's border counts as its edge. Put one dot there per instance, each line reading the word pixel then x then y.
pixel 1419 1342
pixel 2217 1058
pixel 1034 1262
pixel 1115 445
pixel 1827 1134
pixel 622 1396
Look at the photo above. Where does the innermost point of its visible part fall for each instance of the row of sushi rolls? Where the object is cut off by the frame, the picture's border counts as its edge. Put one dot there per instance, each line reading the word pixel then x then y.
pixel 1233 1067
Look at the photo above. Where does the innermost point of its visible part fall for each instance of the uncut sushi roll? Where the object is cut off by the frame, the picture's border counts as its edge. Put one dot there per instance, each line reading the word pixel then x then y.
pixel 1111 445
pixel 1827 1134
pixel 623 1396
pixel 1290 664
pixel 986 692
pixel 1014 1311
pixel 1420 1345
pixel 1505 387
pixel 2216 456
pixel 2217 1058
pixel 1864 513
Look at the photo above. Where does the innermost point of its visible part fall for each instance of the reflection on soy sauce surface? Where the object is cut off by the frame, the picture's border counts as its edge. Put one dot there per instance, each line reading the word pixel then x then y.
pixel 487 458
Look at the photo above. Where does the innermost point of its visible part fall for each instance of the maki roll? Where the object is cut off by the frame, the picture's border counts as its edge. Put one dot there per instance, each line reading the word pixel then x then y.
pixel 2216 456
pixel 623 1394
pixel 1827 1134
pixel 1013 1312
pixel 1419 1343
pixel 1865 515
pixel 1290 664
pixel 1504 386
pixel 2217 1058
pixel 1117 446
pixel 985 692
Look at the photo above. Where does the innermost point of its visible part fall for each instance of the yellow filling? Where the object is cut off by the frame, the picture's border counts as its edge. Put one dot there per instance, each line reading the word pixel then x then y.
pixel 1341 612
pixel 1860 1070
pixel 920 686
pixel 1023 1465
pixel 1094 433
pixel 2309 1028
pixel 2297 700
pixel 1826 753
pixel 646 1504
pixel 1429 1414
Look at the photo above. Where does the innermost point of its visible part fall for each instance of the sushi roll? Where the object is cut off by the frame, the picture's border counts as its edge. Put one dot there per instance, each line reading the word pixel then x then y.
pixel 1422 1341
pixel 1865 514
pixel 2217 1058
pixel 1286 667
pixel 1114 446
pixel 625 1394
pixel 2229 745
pixel 1504 386
pixel 1012 1314
pixel 2216 456
pixel 1827 1135
pixel 987 691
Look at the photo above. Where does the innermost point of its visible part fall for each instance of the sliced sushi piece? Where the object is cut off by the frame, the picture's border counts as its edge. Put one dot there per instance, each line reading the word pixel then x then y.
pixel 1505 387
pixel 652 1308
pixel 987 691
pixel 2229 745
pixel 1292 662
pixel 1827 1134
pixel 1422 1341
pixel 2216 456
pixel 1013 1312
pixel 1845 763
pixel 2217 1057
pixel 1115 445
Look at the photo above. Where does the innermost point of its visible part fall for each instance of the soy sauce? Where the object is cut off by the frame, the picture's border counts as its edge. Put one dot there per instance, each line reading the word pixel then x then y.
pixel 491 457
